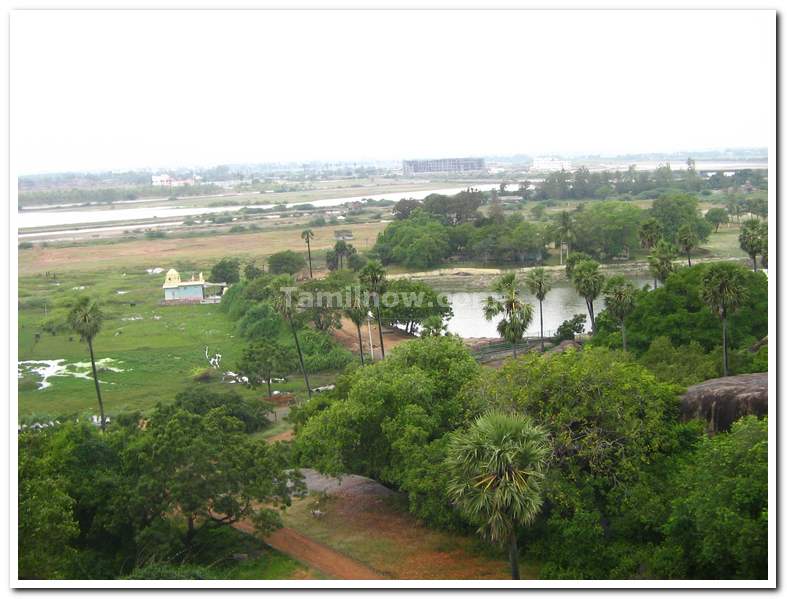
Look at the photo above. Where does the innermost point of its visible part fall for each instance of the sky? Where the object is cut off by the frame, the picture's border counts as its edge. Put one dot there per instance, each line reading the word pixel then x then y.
pixel 94 90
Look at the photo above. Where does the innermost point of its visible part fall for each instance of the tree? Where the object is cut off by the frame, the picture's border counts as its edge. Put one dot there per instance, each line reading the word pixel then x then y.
pixel 517 315
pixel 619 297
pixel 716 217
pixel 573 260
pixel 650 232
pixel 589 282
pixel 675 210
pixel 723 290
pixel 687 240
pixel 497 468
pixel 539 284
pixel 206 468
pixel 717 525
pixel 564 229
pixel 226 270
pixel 307 235
pixel 341 250
pixel 284 305
pixel 85 319
pixel 372 277
pixel 404 208
pixel 286 262
pixel 753 239
pixel 252 271
pixel 264 360
pixel 661 261
pixel 357 312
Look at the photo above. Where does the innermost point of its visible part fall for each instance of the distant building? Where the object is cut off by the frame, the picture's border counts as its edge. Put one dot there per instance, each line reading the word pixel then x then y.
pixel 197 290
pixel 550 165
pixel 168 181
pixel 442 165
pixel 343 234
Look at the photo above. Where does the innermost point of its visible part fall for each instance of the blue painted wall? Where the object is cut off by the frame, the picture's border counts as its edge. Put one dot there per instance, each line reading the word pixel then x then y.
pixel 184 292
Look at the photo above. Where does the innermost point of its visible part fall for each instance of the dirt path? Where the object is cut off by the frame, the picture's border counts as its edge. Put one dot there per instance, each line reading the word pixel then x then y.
pixel 315 555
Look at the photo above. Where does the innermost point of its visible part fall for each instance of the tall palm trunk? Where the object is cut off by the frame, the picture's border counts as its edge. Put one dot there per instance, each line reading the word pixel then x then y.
pixel 300 357
pixel 623 333
pixel 754 261
pixel 514 344
pixel 724 344
pixel 360 341
pixel 268 380
pixel 592 316
pixel 513 557
pixel 380 330
pixel 688 255
pixel 95 381
pixel 541 317
pixel 309 252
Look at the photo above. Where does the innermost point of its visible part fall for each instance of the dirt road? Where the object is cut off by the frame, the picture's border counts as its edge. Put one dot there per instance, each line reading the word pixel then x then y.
pixel 315 555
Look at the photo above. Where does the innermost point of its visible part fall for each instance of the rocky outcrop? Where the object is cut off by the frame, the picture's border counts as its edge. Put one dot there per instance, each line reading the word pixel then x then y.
pixel 720 402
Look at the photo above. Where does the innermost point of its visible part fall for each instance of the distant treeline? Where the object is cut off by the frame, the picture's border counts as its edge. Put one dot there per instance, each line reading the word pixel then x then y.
pixel 109 195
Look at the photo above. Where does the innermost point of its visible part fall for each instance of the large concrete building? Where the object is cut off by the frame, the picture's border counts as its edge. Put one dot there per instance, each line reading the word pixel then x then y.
pixel 442 165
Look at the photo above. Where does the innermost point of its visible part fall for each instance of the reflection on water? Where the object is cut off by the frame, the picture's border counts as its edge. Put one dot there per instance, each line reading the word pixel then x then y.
pixel 561 303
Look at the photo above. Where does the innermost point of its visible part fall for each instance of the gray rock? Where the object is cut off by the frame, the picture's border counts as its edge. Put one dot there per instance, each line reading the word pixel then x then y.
pixel 720 402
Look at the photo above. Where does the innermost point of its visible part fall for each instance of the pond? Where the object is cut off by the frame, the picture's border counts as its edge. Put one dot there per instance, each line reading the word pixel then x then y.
pixel 561 303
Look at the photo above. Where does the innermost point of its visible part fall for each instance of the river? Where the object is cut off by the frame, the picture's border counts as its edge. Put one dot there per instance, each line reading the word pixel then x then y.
pixel 561 303
pixel 56 218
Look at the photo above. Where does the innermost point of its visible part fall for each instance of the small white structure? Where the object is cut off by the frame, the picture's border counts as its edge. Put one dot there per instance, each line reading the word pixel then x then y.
pixel 197 290
pixel 550 165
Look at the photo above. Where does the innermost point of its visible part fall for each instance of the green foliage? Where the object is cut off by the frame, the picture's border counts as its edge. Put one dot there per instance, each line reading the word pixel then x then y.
pixel 570 328
pixel 265 360
pixel 252 271
pixel 607 229
pixel 718 522
pixel 676 310
pixel 389 421
pixel 286 262
pixel 261 321
pixel 716 217
pixel 418 242
pixel 677 210
pixel 684 365
pixel 321 352
pixel 198 400
pixel 516 314
pixel 226 270
pixel 408 304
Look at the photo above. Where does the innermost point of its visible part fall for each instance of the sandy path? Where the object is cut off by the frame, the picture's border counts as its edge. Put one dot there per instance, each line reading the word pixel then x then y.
pixel 313 554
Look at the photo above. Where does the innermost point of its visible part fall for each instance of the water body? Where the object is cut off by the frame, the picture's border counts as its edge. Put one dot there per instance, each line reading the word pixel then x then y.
pixel 40 218
pixel 561 303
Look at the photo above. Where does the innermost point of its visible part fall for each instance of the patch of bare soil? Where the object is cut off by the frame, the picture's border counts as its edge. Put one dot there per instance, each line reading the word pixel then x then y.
pixel 347 336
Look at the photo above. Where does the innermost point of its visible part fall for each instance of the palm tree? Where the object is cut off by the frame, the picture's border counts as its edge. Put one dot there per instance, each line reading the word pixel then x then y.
pixel 307 235
pixel 517 315
pixel 285 306
pixel 650 232
pixel 496 468
pixel 723 289
pixel 357 313
pixel 660 261
pixel 539 283
pixel 341 251
pixel 589 282
pixel 564 227
pixel 85 319
pixel 688 240
pixel 751 239
pixel 372 277
pixel 619 297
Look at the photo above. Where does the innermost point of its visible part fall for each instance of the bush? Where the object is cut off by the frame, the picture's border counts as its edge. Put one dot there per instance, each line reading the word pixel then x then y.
pixel 288 262
pixel 568 329
pixel 321 352
pixel 25 245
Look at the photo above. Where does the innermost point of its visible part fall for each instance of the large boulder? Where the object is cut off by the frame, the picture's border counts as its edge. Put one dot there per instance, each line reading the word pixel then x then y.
pixel 720 402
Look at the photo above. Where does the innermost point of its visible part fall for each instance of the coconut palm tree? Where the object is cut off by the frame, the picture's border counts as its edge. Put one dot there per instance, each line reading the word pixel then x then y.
pixel 517 315
pixel 285 306
pixel 496 469
pixel 723 289
pixel 539 283
pixel 660 261
pixel 589 282
pixel 85 319
pixel 307 235
pixel 650 232
pixel 372 277
pixel 687 240
pixel 619 297
pixel 341 252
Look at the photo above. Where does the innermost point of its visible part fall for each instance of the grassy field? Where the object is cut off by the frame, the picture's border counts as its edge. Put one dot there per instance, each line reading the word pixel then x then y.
pixel 202 251
pixel 158 349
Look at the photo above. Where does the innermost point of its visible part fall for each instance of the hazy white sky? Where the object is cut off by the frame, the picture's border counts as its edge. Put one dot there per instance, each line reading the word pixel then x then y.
pixel 116 89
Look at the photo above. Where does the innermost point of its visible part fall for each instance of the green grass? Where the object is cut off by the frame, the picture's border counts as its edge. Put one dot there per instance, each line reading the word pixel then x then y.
pixel 159 353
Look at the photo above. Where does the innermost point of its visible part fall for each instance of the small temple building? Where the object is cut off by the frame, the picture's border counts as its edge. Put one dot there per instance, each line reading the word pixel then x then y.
pixel 197 290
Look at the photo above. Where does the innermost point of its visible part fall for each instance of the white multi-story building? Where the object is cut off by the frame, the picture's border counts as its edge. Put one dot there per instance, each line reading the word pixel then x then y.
pixel 550 164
